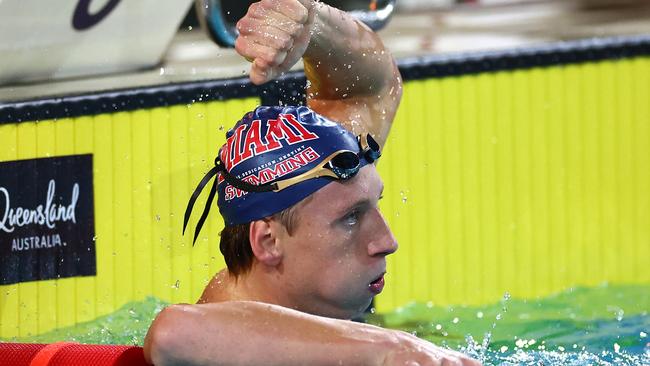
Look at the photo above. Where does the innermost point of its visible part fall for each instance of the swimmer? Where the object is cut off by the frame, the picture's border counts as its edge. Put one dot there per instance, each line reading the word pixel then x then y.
pixel 304 241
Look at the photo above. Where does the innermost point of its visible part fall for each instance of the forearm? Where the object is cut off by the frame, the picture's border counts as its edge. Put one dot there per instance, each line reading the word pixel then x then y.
pixel 249 333
pixel 346 59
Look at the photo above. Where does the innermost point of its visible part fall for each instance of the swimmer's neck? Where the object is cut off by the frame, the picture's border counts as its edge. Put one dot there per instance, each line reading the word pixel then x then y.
pixel 261 286
pixel 249 286
pixel 225 286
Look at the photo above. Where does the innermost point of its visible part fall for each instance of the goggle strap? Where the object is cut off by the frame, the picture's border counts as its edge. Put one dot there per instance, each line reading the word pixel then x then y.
pixel 195 195
pixel 243 185
pixel 206 210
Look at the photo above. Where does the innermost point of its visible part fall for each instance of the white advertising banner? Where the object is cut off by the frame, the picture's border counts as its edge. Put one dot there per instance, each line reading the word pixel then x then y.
pixel 41 40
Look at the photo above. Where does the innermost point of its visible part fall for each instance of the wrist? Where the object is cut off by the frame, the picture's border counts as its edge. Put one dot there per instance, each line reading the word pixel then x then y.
pixel 383 346
pixel 330 26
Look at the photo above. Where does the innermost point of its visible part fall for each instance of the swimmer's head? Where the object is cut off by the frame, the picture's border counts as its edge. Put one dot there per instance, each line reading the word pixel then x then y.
pixel 275 157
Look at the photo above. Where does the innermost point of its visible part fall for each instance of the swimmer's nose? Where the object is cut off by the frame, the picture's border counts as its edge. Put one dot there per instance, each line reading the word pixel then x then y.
pixel 383 242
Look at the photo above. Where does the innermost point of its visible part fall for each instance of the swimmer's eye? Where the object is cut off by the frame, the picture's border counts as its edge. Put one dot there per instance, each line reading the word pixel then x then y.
pixel 352 218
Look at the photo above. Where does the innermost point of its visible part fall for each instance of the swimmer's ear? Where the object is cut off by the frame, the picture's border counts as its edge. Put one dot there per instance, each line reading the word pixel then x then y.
pixel 263 243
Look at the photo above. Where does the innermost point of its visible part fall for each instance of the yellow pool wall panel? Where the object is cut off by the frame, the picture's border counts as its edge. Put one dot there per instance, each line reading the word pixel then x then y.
pixel 524 182
pixel 146 164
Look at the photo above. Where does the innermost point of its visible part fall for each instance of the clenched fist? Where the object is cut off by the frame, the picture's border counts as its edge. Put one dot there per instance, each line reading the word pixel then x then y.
pixel 274 34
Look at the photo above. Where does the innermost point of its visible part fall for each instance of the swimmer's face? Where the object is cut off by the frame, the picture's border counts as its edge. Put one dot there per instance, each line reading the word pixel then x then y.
pixel 334 261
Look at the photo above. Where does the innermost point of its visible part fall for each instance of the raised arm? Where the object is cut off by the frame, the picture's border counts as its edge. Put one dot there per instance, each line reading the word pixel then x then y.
pixel 353 78
pixel 252 333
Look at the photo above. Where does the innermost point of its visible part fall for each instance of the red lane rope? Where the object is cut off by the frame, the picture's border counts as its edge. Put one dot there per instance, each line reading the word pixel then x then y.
pixel 43 357
pixel 70 354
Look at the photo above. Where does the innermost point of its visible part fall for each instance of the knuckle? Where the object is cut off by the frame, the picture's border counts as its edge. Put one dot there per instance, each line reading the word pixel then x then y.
pixel 285 42
pixel 276 58
pixel 264 61
pixel 242 46
pixel 242 25
pixel 295 29
pixel 268 60
pixel 303 14
pixel 256 10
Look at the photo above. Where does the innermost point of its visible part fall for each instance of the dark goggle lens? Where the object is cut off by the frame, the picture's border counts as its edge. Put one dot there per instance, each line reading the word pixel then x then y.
pixel 345 165
pixel 372 143
pixel 371 150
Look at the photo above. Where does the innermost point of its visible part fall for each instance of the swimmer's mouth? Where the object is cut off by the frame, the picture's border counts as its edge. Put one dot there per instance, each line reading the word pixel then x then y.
pixel 377 285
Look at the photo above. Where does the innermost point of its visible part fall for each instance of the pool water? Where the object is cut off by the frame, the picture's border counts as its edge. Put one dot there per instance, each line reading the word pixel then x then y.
pixel 605 325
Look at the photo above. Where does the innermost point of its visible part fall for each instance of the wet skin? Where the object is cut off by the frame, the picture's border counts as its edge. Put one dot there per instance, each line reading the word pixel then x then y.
pixel 337 249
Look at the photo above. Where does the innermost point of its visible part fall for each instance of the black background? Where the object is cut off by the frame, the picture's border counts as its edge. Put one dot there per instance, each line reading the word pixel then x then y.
pixel 27 182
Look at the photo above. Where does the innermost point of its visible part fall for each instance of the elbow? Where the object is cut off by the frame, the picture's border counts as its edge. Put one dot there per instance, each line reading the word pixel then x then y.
pixel 164 341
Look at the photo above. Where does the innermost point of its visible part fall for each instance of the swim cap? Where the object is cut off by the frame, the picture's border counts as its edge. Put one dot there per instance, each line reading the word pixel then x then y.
pixel 270 145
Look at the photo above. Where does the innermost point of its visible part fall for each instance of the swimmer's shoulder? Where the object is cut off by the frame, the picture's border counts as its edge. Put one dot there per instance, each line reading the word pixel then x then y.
pixel 217 290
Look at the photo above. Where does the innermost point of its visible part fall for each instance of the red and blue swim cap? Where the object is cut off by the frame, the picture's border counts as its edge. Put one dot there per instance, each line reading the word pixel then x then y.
pixel 274 157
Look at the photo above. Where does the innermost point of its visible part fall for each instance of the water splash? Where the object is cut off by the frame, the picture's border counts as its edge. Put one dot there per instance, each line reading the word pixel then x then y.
pixel 575 327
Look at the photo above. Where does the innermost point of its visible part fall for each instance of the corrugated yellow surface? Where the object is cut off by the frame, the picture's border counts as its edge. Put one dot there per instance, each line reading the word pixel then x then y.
pixel 525 182
pixel 145 165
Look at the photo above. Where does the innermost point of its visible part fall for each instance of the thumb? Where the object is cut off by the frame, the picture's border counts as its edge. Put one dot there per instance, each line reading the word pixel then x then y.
pixel 261 72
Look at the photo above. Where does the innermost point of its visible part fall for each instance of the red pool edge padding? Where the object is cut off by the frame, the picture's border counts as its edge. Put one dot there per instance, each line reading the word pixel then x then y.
pixel 70 354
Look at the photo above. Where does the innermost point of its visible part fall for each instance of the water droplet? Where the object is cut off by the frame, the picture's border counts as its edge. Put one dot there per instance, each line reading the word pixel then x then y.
pixel 479 315
pixel 521 343
pixel 176 285
pixel 619 314
pixel 455 320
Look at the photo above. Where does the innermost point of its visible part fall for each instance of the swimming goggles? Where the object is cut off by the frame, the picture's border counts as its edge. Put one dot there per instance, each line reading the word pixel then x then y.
pixel 341 165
